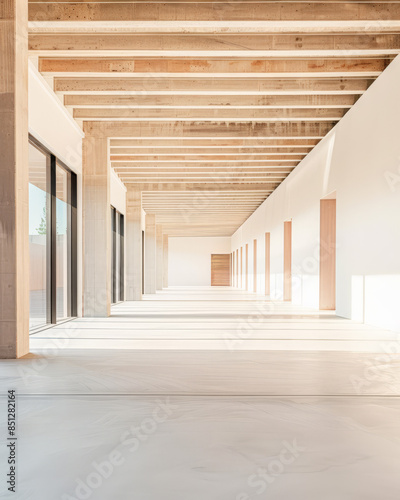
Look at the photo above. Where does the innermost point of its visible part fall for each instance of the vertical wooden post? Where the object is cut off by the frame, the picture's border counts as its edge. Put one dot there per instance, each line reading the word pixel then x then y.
pixel 241 267
pixel 14 175
pixel 255 267
pixel 247 267
pixel 327 255
pixel 267 264
pixel 287 261
pixel 237 268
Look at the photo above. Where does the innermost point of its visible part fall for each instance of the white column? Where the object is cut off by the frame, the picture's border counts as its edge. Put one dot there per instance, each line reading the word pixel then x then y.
pixel 96 228
pixel 150 254
pixel 160 257
pixel 133 238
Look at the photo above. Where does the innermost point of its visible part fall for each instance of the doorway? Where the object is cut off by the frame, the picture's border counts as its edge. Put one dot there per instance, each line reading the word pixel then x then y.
pixel 220 269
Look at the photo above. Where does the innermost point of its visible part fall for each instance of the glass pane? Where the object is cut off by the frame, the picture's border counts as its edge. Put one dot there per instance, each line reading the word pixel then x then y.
pixel 38 232
pixel 63 245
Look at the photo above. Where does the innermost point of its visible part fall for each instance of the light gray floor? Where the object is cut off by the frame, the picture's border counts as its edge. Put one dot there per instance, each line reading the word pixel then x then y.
pixel 203 420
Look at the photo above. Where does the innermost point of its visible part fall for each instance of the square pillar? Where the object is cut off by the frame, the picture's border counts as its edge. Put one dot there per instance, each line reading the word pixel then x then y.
pixel 150 254
pixel 165 260
pixel 96 228
pixel 14 174
pixel 133 238
pixel 159 257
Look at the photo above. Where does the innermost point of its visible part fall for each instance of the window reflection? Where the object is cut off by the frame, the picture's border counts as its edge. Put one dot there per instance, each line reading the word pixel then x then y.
pixel 38 236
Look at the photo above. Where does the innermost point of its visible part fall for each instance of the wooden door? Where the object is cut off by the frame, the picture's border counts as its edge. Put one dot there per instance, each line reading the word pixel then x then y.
pixel 220 269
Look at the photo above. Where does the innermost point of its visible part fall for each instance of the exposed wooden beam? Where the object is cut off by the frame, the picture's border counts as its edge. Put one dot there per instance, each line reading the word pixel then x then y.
pixel 213 11
pixel 122 44
pixel 230 114
pixel 190 152
pixel 232 159
pixel 210 101
pixel 165 67
pixel 191 85
pixel 178 129
pixel 140 144
pixel 201 188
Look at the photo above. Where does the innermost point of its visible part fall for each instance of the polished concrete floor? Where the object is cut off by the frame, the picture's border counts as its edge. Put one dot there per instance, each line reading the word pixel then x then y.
pixel 202 394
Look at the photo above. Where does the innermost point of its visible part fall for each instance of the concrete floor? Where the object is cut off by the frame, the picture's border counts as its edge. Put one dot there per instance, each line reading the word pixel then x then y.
pixel 203 394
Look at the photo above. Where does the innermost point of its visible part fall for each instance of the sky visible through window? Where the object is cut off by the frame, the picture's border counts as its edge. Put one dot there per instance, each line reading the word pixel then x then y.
pixel 37 204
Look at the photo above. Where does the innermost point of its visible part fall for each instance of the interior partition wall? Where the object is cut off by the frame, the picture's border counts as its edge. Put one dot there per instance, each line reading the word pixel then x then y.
pixel 117 256
pixel 52 238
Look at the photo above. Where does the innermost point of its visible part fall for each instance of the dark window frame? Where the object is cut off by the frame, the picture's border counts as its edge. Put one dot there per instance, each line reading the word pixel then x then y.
pixel 117 231
pixel 51 223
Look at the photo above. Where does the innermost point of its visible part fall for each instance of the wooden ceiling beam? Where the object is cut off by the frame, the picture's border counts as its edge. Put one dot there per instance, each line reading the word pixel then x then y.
pixel 198 143
pixel 226 86
pixel 230 114
pixel 203 158
pixel 179 129
pixel 209 101
pixel 88 44
pixel 201 187
pixel 246 68
pixel 192 153
pixel 213 11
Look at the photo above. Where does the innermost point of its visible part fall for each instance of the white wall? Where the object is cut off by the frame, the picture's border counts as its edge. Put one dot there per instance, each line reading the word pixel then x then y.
pixel 189 259
pixel 52 125
pixel 360 160
pixel 117 193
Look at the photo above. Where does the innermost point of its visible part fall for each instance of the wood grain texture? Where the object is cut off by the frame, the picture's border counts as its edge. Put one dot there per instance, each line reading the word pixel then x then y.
pixel 220 269
pixel 327 257
pixel 255 266
pixel 267 263
pixel 247 268
pixel 241 268
pixel 167 82
pixel 14 191
pixel 287 261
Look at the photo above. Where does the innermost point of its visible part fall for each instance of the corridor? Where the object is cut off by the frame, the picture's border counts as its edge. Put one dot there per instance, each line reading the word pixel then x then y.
pixel 196 397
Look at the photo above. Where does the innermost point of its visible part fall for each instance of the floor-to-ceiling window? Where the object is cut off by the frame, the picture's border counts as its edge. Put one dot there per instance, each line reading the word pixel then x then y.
pixel 39 221
pixel 63 244
pixel 52 238
pixel 117 256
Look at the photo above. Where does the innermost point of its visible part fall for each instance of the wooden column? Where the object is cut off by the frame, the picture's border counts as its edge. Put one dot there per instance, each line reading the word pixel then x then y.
pixel 267 264
pixel 255 266
pixel 287 261
pixel 150 254
pixel 14 192
pixel 241 267
pixel 159 257
pixel 247 267
pixel 237 268
pixel 133 258
pixel 327 256
pixel 165 260
pixel 96 228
